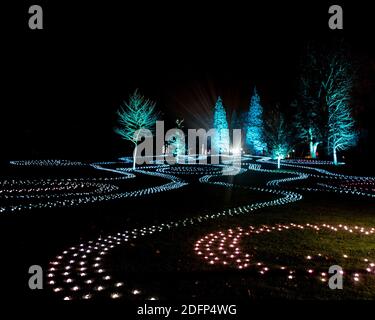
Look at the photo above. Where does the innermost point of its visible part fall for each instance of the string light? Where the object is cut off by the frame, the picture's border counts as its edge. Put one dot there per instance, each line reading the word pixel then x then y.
pixel 45 190
pixel 225 246
pixel 102 245
pixel 46 163
pixel 74 192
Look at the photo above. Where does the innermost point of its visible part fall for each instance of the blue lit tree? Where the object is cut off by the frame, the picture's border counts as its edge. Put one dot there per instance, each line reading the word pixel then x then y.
pixel 341 125
pixel 220 140
pixel 341 133
pixel 254 133
pixel 309 120
pixel 277 135
pixel 137 118
pixel 310 112
pixel 323 109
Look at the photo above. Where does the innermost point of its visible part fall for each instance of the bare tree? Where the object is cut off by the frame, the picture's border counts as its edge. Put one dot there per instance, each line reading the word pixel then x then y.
pixel 323 110
pixel 341 125
pixel 136 117
pixel 277 135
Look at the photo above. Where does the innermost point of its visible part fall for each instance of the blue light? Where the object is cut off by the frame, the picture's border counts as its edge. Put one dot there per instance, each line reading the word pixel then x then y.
pixel 220 141
pixel 254 133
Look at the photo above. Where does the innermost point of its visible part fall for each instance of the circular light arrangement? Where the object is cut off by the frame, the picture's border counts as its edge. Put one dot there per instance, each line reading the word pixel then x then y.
pixel 45 199
pixel 225 248
pixel 82 271
pixel 93 252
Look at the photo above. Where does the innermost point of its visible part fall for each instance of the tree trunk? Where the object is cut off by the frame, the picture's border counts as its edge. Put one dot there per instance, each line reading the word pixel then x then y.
pixel 315 147
pixel 278 162
pixel 334 156
pixel 135 149
pixel 312 150
pixel 134 156
pixel 312 153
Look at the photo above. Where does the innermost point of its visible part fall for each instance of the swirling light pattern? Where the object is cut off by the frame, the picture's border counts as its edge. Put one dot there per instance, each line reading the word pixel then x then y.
pixel 225 248
pixel 100 191
pixel 83 271
pixel 92 276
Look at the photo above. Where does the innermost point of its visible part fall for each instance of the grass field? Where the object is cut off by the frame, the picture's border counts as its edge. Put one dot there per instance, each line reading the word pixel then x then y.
pixel 165 265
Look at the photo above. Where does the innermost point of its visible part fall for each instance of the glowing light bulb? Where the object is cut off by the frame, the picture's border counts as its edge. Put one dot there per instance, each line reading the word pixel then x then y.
pixel 115 295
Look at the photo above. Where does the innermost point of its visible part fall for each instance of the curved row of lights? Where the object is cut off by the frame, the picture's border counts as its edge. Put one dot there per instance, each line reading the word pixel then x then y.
pixel 190 170
pixel 81 273
pixel 322 171
pixel 51 191
pixel 97 195
pixel 224 248
pixel 46 163
pixel 308 162
pixel 276 182
pixel 342 189
pixel 333 189
pixel 359 185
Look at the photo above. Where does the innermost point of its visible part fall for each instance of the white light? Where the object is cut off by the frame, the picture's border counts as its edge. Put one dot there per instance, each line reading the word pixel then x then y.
pixel 115 295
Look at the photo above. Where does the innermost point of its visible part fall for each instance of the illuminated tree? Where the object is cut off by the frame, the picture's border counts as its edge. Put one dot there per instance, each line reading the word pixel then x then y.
pixel 310 121
pixel 178 141
pixel 277 135
pixel 220 140
pixel 137 118
pixel 254 133
pixel 341 126
pixel 323 103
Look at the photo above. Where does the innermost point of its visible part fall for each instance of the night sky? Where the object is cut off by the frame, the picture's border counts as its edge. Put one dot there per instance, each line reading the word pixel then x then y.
pixel 62 85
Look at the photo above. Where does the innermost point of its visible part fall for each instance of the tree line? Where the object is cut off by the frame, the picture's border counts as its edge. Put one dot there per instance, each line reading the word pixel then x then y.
pixel 320 117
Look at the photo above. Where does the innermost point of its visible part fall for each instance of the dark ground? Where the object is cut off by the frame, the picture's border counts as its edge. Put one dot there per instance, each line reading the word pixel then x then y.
pixel 165 264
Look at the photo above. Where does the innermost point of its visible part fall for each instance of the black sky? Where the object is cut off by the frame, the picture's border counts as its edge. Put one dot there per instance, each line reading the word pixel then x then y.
pixel 63 85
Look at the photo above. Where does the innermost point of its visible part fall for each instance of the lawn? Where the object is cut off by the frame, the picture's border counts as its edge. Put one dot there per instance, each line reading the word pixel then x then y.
pixel 166 266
